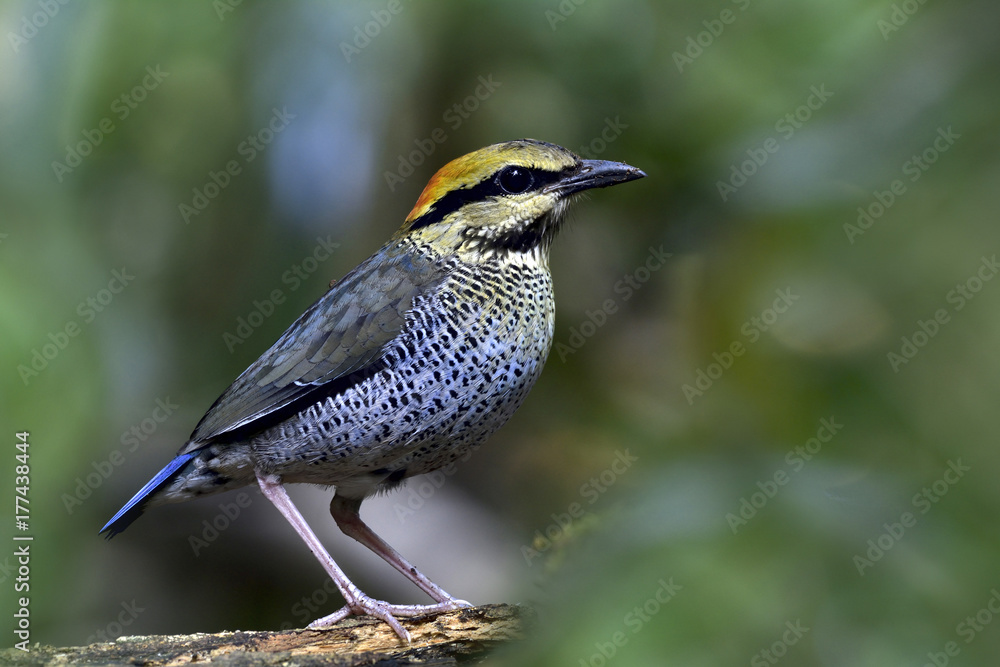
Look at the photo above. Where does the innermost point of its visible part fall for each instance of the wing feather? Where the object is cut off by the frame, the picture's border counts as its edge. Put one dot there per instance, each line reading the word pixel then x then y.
pixel 347 329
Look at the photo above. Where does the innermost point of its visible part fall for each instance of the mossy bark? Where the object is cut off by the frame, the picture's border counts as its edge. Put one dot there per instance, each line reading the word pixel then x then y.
pixel 463 636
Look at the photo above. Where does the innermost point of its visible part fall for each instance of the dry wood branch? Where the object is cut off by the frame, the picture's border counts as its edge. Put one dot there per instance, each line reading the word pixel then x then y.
pixel 445 639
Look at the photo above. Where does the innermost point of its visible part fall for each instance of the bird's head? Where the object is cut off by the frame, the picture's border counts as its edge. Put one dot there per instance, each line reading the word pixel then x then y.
pixel 505 197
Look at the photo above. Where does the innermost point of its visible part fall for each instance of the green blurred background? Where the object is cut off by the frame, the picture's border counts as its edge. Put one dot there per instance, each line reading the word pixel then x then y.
pixel 648 462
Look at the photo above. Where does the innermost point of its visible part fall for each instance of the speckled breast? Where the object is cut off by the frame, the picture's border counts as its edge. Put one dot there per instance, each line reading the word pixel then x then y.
pixel 467 357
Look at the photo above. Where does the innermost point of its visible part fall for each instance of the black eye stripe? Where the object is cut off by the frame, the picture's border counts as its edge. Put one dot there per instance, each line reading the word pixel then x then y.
pixel 489 187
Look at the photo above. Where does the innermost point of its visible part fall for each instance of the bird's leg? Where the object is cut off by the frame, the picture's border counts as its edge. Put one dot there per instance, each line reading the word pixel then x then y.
pixel 346 512
pixel 357 602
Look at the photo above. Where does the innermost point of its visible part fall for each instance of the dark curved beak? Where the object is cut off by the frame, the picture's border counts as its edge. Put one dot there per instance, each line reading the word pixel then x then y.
pixel 596 174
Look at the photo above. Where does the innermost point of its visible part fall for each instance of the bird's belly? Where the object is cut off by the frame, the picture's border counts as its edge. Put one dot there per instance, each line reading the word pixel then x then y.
pixel 457 377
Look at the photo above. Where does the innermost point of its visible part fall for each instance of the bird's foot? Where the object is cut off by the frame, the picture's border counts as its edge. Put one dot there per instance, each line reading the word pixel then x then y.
pixel 390 613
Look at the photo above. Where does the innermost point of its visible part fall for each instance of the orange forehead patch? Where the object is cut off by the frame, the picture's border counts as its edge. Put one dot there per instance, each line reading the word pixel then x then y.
pixel 471 169
pixel 460 172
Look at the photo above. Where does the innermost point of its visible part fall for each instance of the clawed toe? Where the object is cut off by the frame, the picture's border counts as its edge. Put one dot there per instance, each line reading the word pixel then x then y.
pixel 390 613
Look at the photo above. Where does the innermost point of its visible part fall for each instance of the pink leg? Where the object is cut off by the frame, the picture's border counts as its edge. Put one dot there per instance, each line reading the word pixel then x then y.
pixel 357 602
pixel 346 512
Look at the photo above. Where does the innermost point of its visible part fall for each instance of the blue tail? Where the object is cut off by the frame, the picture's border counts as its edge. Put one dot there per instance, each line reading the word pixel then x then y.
pixel 134 507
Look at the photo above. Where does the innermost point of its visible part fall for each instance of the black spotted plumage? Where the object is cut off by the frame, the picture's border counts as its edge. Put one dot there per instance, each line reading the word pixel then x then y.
pixel 409 362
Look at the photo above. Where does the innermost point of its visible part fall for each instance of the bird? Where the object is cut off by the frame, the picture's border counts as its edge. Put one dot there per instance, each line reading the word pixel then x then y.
pixel 411 360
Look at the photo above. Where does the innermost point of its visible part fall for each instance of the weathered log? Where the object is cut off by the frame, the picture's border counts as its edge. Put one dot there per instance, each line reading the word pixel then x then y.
pixel 444 639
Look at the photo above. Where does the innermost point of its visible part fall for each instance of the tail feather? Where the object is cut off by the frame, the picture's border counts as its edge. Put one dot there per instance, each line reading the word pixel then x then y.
pixel 134 507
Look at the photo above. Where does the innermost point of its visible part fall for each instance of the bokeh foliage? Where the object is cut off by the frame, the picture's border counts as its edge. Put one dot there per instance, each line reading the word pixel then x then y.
pixel 807 110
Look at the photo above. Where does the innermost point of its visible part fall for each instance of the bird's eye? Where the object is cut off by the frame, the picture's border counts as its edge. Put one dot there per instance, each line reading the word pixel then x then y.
pixel 515 180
